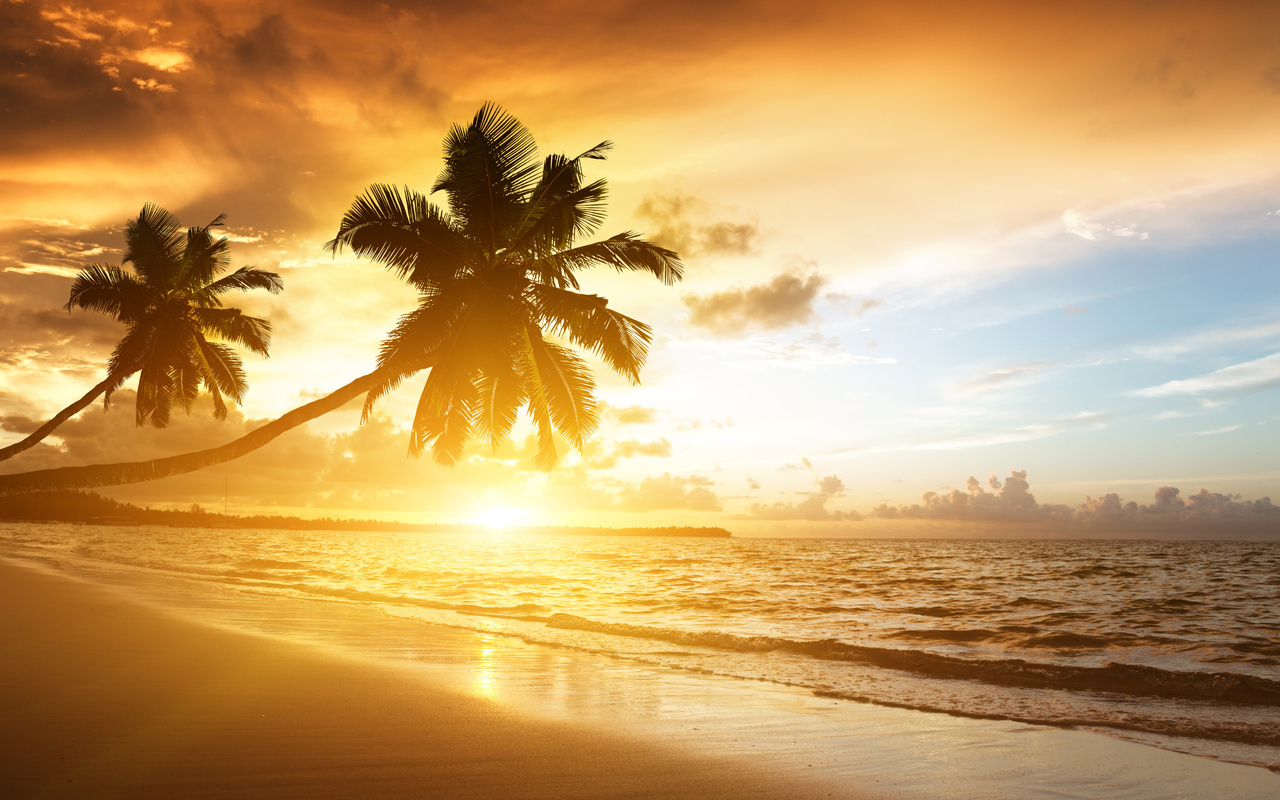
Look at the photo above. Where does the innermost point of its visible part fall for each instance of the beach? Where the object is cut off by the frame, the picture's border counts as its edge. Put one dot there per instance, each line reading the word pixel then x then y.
pixel 110 693
pixel 107 698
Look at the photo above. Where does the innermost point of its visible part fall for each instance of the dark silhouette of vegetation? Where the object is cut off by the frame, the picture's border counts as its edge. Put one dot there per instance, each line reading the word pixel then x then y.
pixel 90 507
pixel 495 273
pixel 171 306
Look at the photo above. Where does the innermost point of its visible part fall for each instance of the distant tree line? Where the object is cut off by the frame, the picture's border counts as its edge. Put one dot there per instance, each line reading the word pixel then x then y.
pixel 67 505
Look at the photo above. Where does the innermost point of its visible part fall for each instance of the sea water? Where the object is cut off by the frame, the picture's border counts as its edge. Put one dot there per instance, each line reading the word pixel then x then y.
pixel 1173 643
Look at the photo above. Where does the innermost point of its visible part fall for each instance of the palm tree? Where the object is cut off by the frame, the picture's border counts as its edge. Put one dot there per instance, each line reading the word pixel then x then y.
pixel 496 276
pixel 170 304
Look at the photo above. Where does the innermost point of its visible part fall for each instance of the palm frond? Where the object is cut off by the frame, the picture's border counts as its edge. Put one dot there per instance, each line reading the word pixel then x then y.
pixel 561 177
pixel 153 244
pixel 110 290
pixel 405 232
pixel 567 387
pixel 224 373
pixel 128 357
pixel 556 220
pixel 443 419
pixel 624 252
pixel 489 168
pixel 412 345
pixel 587 321
pixel 244 279
pixel 499 398
pixel 204 257
pixel 186 376
pixel 233 325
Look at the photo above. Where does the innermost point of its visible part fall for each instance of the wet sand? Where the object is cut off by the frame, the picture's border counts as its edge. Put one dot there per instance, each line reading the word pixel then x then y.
pixel 131 684
pixel 107 698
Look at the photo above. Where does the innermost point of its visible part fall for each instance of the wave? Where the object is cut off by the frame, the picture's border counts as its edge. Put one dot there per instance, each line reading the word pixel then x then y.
pixel 1127 679
pixel 1133 680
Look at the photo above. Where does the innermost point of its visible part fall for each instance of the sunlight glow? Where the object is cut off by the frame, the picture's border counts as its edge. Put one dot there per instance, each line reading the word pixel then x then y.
pixel 498 517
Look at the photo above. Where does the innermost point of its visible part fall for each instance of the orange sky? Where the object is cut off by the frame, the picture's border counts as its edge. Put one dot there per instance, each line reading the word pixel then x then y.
pixel 840 177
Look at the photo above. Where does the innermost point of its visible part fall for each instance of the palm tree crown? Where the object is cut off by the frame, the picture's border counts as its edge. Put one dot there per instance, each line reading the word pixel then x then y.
pixel 495 276
pixel 171 304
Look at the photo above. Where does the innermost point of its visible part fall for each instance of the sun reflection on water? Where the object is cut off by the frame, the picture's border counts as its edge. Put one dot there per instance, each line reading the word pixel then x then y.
pixel 486 680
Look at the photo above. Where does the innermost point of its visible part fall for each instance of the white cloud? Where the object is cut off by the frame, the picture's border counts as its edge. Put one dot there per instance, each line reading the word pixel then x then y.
pixel 1251 376
pixel 1208 340
pixel 1076 223
pixel 1216 431
pixel 1005 376
pixel 758 353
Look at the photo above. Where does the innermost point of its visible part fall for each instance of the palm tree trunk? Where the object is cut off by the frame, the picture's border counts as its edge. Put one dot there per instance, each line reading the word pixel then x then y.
pixel 61 417
pixel 140 471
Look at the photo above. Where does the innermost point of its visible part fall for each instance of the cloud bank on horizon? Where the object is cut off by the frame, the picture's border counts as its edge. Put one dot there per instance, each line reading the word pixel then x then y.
pixel 921 241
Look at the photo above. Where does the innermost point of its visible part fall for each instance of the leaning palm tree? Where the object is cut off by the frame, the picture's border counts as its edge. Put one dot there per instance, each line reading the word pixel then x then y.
pixel 496 276
pixel 171 306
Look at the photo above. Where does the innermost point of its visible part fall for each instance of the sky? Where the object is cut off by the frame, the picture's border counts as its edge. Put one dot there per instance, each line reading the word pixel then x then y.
pixel 951 269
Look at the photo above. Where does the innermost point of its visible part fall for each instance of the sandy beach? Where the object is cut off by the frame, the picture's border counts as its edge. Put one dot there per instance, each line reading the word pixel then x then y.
pixel 138 690
pixel 106 698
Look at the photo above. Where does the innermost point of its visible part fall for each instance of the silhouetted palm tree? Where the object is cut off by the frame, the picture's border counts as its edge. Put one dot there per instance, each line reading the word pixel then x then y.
pixel 495 272
pixel 171 305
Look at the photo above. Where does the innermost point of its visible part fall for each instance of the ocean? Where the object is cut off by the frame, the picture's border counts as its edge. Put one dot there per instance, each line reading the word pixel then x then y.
pixel 1174 644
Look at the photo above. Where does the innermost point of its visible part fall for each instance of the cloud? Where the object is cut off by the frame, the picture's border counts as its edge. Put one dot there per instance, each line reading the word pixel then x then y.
pixel 1210 340
pixel 1204 512
pixel 1251 376
pixel 669 492
pixel 629 415
pixel 1012 500
pixel 805 464
pixel 785 300
pixel 605 455
pixel 810 351
pixel 152 85
pixel 1216 431
pixel 999 378
pixel 1075 223
pixel 674 228
pixel 813 508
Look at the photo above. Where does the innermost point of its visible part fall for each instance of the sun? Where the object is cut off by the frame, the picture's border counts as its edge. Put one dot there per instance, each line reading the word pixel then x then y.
pixel 499 517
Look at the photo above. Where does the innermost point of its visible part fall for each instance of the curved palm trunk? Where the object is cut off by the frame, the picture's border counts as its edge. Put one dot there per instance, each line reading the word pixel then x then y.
pixel 61 417
pixel 141 471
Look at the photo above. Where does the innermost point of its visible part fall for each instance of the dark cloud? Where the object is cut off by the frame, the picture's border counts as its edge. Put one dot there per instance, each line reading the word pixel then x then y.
pixel 675 225
pixel 784 301
pixel 670 492
pixel 36 326
pixel 1203 513
pixel 17 423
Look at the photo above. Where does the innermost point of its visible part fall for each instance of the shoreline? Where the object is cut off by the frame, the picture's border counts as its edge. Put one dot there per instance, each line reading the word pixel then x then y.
pixel 622 729
pixel 105 697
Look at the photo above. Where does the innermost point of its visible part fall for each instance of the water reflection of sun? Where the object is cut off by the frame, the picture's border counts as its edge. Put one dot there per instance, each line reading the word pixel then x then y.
pixel 486 685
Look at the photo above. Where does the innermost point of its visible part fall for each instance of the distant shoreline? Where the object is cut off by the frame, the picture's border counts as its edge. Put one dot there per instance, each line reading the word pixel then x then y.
pixel 91 508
